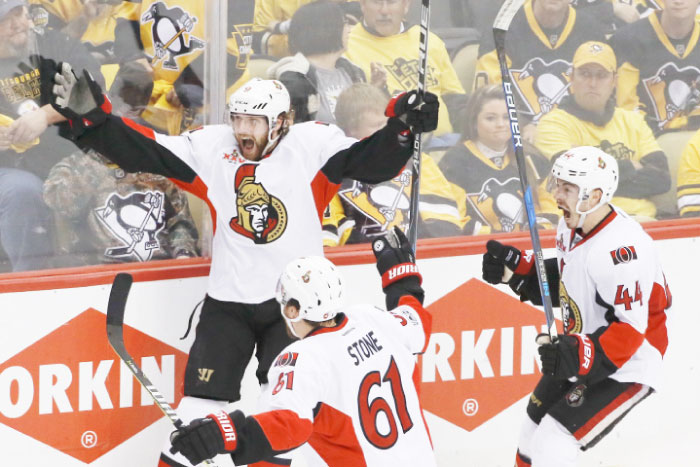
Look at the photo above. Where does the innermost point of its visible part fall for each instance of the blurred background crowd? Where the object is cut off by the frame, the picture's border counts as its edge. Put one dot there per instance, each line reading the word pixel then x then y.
pixel 623 75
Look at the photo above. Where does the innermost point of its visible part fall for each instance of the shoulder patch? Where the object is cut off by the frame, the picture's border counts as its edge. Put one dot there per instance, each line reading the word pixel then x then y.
pixel 287 359
pixel 624 254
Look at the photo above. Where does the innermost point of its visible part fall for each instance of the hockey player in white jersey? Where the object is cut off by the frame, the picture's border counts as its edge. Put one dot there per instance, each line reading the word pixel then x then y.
pixel 608 281
pixel 346 386
pixel 266 184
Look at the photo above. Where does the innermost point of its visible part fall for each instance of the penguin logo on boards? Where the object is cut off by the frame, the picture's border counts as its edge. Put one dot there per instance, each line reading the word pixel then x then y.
pixel 172 33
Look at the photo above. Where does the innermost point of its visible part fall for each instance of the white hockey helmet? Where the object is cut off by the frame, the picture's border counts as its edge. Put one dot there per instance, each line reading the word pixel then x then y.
pixel 316 284
pixel 589 168
pixel 263 97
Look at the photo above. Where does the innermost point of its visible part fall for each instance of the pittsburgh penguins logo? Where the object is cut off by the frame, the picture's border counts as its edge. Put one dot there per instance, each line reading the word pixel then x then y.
pixel 570 311
pixel 499 204
pixel 260 216
pixel 172 33
pixel 542 85
pixel 618 150
pixel 673 92
pixel 135 220
pixel 406 73
pixel 384 205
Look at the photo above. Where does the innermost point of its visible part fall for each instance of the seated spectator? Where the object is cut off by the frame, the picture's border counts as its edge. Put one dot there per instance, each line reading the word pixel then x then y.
pixel 29 144
pixel 484 172
pixel 360 212
pixel 540 45
pixel 384 42
pixel 109 215
pixel 659 67
pixel 648 6
pixel 317 74
pixel 590 118
pixel 689 179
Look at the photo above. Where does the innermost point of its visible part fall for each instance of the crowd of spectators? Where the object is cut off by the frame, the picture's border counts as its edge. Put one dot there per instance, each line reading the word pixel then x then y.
pixel 622 75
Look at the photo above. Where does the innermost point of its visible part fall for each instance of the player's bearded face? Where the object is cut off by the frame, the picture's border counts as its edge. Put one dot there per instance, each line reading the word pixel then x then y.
pixel 492 125
pixel 251 133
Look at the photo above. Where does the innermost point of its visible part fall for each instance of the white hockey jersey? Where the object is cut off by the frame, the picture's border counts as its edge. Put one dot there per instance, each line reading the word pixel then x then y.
pixel 353 383
pixel 612 279
pixel 265 210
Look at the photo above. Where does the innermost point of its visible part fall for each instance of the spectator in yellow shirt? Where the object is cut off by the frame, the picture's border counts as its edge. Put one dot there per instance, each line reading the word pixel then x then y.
pixel 384 42
pixel 589 117
pixel 689 179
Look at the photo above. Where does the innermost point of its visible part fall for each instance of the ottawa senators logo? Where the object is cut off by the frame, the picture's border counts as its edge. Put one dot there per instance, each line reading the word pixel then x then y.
pixel 261 217
pixel 171 31
pixel 570 311
pixel 673 92
pixel 623 255
pixel 499 204
pixel 541 85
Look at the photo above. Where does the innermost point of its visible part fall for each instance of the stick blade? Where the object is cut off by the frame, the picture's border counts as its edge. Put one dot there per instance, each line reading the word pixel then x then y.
pixel 117 299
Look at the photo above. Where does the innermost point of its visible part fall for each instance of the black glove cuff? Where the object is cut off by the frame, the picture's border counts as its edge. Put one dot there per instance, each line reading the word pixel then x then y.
pixel 407 286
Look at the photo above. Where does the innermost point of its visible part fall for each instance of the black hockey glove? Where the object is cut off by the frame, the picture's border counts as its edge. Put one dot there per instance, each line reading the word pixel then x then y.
pixel 204 438
pixel 419 114
pixel 570 355
pixel 397 266
pixel 497 258
pixel 79 99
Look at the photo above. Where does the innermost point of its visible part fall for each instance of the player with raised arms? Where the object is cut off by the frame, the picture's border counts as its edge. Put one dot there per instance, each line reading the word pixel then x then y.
pixel 267 184
pixel 608 281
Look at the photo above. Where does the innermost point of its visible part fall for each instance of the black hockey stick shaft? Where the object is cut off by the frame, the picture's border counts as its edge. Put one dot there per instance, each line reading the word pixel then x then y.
pixel 115 334
pixel 500 29
pixel 418 141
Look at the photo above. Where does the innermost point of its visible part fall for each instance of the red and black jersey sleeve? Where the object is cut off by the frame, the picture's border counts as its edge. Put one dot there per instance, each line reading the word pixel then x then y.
pixel 135 149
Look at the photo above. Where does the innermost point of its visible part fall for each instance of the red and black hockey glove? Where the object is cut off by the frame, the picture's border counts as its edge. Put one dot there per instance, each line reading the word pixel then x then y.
pixel 498 257
pixel 397 266
pixel 204 438
pixel 570 355
pixel 421 115
pixel 79 99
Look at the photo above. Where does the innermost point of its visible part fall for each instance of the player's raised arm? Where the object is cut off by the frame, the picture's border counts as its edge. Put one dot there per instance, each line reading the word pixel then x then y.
pixel 79 98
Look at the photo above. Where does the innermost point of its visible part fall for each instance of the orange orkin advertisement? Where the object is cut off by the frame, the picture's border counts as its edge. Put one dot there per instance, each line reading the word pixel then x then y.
pixel 70 390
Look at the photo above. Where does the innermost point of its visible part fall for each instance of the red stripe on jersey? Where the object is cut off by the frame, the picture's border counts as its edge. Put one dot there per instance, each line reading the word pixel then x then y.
pixel 320 330
pixel 201 191
pixel 334 439
pixel 268 464
pixel 619 342
pixel 605 411
pixel 106 104
pixel 601 225
pixel 144 130
pixel 656 334
pixel 425 317
pixel 520 460
pixel 284 429
pixel 323 191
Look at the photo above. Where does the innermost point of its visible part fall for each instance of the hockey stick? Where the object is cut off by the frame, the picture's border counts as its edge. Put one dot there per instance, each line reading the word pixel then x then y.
pixel 418 141
pixel 115 334
pixel 500 28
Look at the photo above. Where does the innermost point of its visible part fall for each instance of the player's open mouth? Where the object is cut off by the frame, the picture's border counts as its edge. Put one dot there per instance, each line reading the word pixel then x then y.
pixel 247 144
pixel 566 212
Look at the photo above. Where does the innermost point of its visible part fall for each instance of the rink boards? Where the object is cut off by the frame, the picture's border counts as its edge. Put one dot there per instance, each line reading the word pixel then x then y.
pixel 66 400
